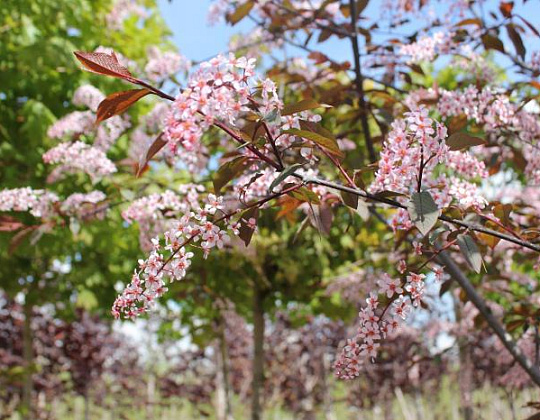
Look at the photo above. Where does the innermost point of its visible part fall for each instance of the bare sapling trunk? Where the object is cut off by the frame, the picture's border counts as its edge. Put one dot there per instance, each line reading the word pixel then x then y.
pixel 258 354
pixel 28 355
pixel 223 389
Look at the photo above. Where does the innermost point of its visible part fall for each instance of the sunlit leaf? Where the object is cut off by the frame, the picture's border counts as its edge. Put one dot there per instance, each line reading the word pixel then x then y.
pixel 470 251
pixel 460 141
pixel 423 211
pixel 103 63
pixel 228 171
pixel 119 102
pixel 154 148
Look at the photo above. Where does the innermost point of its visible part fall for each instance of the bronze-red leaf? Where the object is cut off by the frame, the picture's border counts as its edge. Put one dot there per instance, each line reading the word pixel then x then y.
pixel 119 102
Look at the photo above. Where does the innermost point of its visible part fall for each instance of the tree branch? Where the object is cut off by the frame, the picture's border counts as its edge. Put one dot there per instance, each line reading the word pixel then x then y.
pixel 453 269
pixel 373 197
pixel 359 80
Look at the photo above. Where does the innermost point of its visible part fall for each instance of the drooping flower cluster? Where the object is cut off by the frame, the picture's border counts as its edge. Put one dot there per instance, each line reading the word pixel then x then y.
pixel 415 146
pixel 162 65
pixel 122 10
pixel 77 123
pixel 88 96
pixel 79 156
pixel 109 131
pixel 497 115
pixel 73 124
pixel 84 205
pixel 148 284
pixel 427 47
pixel 38 202
pixel 153 213
pixel 378 320
pixel 218 90
pixel 145 133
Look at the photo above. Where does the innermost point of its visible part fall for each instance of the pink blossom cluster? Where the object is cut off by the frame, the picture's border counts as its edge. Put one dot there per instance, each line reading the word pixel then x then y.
pixel 497 114
pixel 377 323
pixel 164 64
pixel 88 96
pixel 110 130
pixel 255 43
pixel 173 259
pixel 38 202
pixel 73 124
pixel 123 60
pixel 79 156
pixel 77 123
pixel 83 205
pixel 218 90
pixel 474 65
pixel 145 133
pixel 419 141
pixel 164 204
pixel 427 47
pixel 154 213
pixel 122 10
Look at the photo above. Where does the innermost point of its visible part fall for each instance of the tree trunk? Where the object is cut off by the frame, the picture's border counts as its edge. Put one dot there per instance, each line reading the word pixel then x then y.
pixel 86 405
pixel 327 390
pixel 223 390
pixel 150 396
pixel 465 379
pixel 28 355
pixel 258 354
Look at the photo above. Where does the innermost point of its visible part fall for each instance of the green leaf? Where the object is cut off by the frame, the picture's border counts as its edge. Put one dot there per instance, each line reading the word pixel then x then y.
pixel 283 175
pixel 460 141
pixel 304 105
pixel 305 194
pixel 326 143
pixel 470 251
pixel 423 211
pixel 228 171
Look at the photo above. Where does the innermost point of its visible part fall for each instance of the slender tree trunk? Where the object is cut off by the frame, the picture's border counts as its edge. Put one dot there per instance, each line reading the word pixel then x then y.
pixel 223 390
pixel 465 379
pixel 511 405
pixel 150 396
pixel 28 355
pixel 327 391
pixel 258 354
pixel 86 405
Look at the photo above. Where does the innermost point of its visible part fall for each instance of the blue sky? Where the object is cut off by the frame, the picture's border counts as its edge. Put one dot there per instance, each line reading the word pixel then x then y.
pixel 192 33
pixel 197 40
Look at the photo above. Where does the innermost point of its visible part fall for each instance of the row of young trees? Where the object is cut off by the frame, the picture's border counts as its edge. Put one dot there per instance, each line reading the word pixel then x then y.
pixel 83 357
pixel 259 185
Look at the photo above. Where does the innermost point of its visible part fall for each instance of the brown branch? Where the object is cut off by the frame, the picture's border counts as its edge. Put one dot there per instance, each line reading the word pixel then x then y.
pixel 453 269
pixel 359 80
